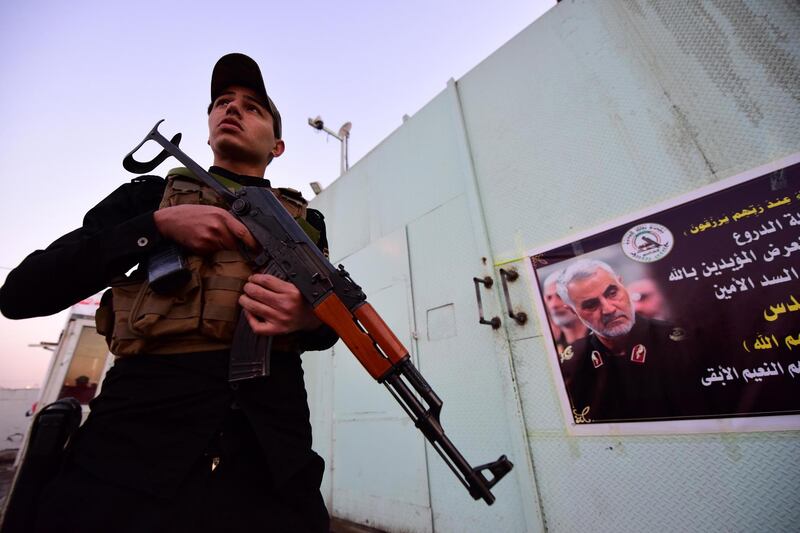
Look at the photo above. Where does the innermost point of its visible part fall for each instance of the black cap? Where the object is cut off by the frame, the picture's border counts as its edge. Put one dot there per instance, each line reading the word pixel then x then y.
pixel 239 69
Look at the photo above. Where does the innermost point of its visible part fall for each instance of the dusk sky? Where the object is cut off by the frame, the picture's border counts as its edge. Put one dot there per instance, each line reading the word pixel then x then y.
pixel 84 81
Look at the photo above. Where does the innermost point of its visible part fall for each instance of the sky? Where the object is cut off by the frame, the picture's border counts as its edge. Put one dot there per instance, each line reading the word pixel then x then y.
pixel 84 81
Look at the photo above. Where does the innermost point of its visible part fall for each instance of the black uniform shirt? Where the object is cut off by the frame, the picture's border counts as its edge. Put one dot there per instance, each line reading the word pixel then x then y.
pixel 157 413
pixel 655 377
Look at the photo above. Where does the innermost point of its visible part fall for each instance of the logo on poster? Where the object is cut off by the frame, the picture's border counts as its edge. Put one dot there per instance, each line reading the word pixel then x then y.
pixel 647 242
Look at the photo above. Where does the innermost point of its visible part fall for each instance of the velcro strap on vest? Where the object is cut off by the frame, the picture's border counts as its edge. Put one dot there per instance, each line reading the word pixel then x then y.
pixel 162 307
pixel 220 312
pixel 223 283
pixel 223 256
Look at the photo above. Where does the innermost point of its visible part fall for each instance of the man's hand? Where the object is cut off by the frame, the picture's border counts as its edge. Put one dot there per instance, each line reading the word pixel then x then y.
pixel 275 307
pixel 202 229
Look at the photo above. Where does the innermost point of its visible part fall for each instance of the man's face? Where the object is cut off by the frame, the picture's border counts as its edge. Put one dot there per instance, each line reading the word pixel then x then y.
pixel 603 304
pixel 647 298
pixel 240 128
pixel 560 313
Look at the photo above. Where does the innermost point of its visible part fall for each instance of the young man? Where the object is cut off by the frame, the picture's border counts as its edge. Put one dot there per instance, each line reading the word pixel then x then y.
pixel 170 445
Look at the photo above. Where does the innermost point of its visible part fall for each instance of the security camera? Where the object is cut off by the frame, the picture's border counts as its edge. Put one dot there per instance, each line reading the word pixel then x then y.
pixel 316 122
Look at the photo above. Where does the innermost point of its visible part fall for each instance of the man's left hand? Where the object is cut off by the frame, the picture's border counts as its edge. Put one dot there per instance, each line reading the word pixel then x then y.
pixel 275 307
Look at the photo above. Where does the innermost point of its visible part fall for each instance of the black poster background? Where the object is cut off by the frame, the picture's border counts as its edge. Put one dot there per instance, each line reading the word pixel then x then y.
pixel 747 364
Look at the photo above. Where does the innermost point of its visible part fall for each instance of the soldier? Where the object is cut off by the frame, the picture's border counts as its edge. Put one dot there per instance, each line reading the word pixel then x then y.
pixel 648 300
pixel 629 367
pixel 170 445
pixel 565 326
pixel 568 327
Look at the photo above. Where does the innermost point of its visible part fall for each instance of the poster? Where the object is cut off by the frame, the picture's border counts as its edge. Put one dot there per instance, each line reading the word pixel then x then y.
pixel 684 318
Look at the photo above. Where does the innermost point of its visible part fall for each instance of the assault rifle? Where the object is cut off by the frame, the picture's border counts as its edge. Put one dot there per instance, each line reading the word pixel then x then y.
pixel 288 253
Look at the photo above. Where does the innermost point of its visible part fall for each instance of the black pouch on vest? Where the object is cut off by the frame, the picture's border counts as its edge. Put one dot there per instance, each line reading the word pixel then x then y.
pixel 167 270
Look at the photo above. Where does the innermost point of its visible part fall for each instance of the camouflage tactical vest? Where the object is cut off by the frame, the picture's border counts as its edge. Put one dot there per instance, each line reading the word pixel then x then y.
pixel 202 314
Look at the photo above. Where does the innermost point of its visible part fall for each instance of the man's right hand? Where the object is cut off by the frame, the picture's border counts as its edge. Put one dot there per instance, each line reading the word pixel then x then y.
pixel 202 229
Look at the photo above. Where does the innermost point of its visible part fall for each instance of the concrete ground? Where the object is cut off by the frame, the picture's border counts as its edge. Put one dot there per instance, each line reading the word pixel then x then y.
pixel 342 526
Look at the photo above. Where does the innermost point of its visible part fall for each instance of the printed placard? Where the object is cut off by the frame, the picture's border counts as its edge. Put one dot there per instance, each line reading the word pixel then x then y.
pixel 684 318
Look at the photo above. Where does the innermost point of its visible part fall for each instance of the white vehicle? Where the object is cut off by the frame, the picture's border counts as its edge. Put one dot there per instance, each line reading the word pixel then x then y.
pixel 77 369
pixel 79 364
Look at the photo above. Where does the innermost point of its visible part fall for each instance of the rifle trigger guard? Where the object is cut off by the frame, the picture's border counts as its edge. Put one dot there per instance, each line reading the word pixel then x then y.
pixel 139 167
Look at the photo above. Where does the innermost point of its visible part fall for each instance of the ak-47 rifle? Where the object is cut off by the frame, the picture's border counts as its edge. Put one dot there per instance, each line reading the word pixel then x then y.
pixel 288 253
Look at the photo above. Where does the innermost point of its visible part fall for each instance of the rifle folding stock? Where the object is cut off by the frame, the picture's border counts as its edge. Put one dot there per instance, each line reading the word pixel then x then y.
pixel 341 304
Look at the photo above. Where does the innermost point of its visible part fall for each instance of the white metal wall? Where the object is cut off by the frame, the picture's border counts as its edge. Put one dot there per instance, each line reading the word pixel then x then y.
pixel 596 110
pixel 402 211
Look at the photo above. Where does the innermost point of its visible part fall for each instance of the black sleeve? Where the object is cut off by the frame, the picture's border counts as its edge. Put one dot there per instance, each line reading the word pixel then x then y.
pixel 116 234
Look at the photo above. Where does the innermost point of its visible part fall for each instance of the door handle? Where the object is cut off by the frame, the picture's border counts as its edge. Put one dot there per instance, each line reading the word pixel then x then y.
pixel 487 282
pixel 507 276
